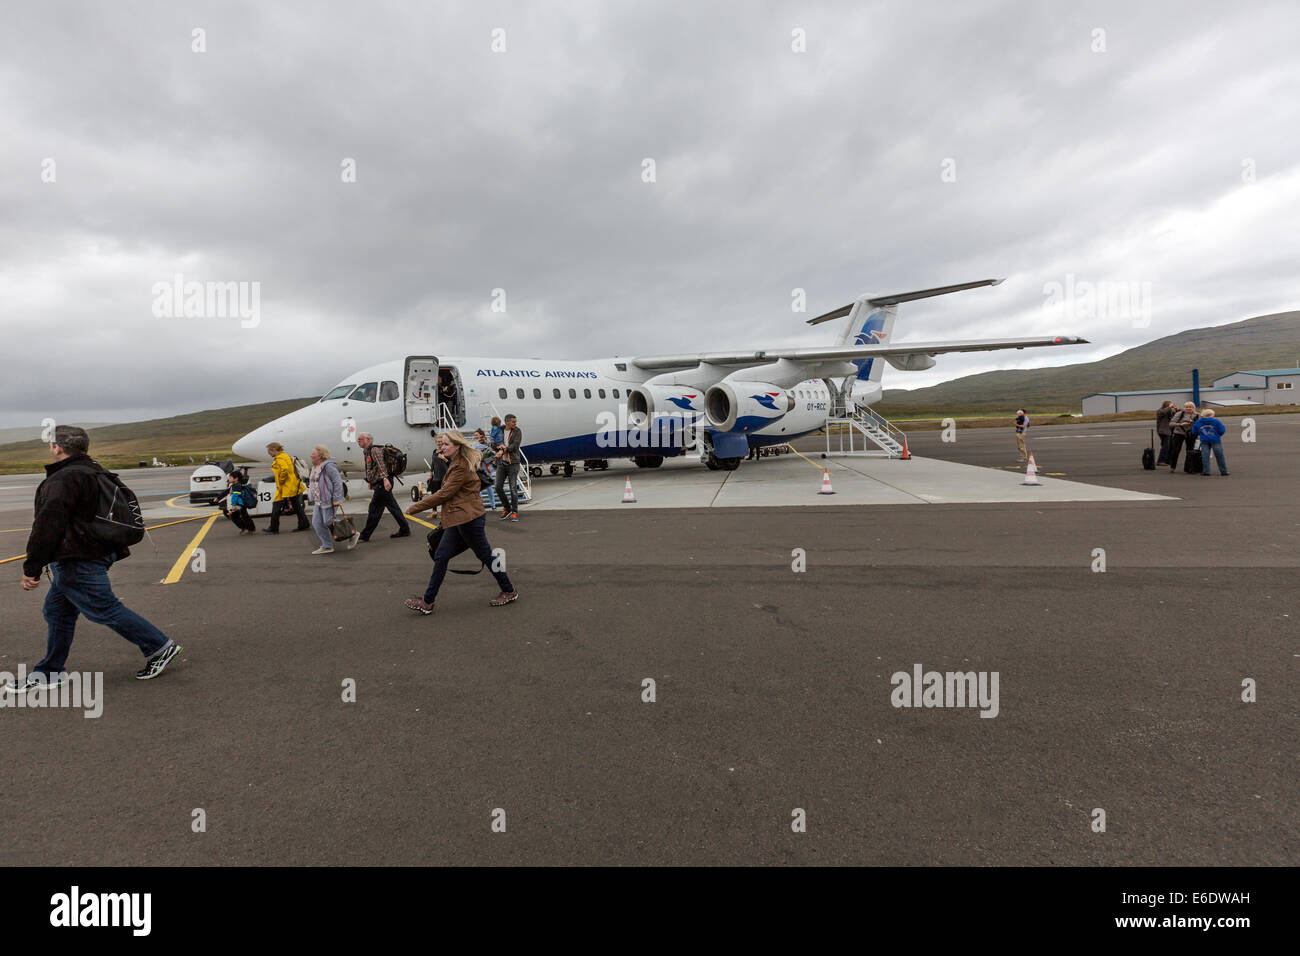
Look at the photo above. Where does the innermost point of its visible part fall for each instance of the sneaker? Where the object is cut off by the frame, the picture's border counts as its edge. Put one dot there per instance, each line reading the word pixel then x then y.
pixel 154 665
pixel 36 680
pixel 504 598
pixel 416 603
pixel 352 541
pixel 323 551
pixel 514 516
pixel 363 538
pixel 401 534
pixel 504 515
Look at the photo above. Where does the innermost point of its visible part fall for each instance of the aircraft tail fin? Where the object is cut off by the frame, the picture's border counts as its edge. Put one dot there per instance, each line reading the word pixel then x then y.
pixel 869 320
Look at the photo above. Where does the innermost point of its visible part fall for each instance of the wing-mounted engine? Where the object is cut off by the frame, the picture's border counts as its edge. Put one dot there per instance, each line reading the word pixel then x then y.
pixel 742 406
pixel 645 403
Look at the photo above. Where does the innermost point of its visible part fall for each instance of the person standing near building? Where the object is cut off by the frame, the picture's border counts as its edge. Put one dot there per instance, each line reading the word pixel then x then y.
pixel 461 520
pixel 508 469
pixel 1210 431
pixel 1022 426
pixel 1164 430
pixel 61 538
pixel 1180 427
pixel 381 487
pixel 288 487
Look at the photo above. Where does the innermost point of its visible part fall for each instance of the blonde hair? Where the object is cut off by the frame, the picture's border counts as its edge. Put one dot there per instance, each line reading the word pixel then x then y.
pixel 471 454
pixel 274 447
pixel 1207 412
pixel 323 452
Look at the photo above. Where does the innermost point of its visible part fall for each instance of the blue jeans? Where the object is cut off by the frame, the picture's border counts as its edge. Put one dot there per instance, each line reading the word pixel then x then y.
pixel 1218 456
pixel 81 587
pixel 455 540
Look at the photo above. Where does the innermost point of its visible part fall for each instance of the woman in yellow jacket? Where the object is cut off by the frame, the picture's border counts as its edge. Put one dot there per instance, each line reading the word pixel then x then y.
pixel 288 487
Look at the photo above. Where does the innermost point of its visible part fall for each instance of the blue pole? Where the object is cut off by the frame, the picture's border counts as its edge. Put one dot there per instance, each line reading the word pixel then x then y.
pixel 1196 387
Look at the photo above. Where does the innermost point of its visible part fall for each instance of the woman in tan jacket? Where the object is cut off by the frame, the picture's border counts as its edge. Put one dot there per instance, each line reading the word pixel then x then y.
pixel 462 520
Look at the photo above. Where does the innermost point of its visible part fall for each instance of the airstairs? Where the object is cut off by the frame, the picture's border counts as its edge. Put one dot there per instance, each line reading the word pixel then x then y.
pixel 851 431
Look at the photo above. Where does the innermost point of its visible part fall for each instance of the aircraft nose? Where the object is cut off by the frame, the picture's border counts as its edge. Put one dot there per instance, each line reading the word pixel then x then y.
pixel 253 445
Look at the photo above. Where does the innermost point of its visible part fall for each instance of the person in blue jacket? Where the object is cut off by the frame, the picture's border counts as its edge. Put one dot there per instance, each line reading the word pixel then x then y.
pixel 1210 431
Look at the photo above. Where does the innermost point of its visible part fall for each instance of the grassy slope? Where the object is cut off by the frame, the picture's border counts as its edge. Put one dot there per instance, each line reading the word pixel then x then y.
pixel 1268 341
pixel 198 435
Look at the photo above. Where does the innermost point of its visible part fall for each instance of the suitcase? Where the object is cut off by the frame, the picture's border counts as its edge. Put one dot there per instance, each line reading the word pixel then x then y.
pixel 1193 464
pixel 1149 454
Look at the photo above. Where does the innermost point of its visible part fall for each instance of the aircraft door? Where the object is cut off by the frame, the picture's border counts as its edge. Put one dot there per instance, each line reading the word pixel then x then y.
pixel 421 388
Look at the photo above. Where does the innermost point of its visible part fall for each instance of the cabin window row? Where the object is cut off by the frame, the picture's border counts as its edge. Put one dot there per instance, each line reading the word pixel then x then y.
pixel 504 393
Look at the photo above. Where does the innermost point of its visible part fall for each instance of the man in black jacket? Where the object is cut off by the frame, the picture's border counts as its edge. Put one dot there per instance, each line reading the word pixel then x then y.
pixel 61 539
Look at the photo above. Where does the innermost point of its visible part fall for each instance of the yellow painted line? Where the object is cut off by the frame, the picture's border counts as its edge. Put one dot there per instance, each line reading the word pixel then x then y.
pixel 421 521
pixel 168 504
pixel 11 530
pixel 183 561
pixel 150 528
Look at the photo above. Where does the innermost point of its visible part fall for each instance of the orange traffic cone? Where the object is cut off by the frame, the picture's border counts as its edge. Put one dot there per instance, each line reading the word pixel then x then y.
pixel 906 456
pixel 1031 472
pixel 826 483
pixel 628 497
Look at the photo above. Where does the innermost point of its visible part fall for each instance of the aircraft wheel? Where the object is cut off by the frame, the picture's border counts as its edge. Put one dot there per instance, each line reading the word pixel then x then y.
pixel 729 464
pixel 568 469
pixel 535 471
pixel 604 464
pixel 555 469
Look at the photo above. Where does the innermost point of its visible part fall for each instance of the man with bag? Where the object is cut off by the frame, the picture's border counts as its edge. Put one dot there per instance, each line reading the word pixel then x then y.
pixel 65 538
pixel 381 487
pixel 327 517
pixel 508 469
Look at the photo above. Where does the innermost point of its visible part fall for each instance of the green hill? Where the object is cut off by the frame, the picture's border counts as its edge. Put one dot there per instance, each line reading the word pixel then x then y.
pixel 1267 341
pixel 177 440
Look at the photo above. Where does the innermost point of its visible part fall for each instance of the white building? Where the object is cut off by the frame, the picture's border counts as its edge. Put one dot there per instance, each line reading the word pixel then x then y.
pixel 1273 386
pixel 1278 384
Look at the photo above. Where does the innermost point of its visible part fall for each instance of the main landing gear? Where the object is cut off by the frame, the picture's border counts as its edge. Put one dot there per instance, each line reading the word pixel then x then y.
pixel 711 460
pixel 648 461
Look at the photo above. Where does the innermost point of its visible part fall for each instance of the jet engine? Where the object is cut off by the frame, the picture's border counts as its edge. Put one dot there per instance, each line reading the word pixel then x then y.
pixel 645 403
pixel 742 406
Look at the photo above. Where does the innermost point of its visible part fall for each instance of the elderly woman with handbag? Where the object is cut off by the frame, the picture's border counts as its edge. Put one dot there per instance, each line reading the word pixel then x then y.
pixel 328 519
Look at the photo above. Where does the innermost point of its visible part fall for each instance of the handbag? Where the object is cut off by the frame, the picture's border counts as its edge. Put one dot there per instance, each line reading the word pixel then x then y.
pixel 341 528
pixel 434 537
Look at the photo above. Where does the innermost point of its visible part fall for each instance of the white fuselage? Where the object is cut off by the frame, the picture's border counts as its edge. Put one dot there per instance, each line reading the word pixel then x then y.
pixel 567 411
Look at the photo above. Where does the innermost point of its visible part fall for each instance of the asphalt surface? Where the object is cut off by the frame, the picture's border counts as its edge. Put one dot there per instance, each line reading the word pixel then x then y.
pixel 1118 690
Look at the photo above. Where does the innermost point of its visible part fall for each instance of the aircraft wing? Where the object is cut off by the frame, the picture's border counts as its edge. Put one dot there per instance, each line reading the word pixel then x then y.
pixel 847 352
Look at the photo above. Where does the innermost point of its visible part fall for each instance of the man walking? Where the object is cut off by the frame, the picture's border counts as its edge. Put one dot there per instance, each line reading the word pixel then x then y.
pixel 62 538
pixel 508 469
pixel 381 487
pixel 1022 426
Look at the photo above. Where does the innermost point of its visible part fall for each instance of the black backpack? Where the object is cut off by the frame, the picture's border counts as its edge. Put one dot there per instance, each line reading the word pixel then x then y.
pixel 118 522
pixel 394 460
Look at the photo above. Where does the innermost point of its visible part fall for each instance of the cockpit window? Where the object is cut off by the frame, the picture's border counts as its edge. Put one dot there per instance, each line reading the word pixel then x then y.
pixel 389 391
pixel 340 392
pixel 365 393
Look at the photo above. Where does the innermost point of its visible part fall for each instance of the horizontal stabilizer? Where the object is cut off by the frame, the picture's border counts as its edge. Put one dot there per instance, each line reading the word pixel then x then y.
pixel 897 297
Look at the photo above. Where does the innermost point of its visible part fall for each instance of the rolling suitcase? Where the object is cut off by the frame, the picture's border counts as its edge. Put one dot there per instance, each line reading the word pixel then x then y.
pixel 1193 463
pixel 1149 454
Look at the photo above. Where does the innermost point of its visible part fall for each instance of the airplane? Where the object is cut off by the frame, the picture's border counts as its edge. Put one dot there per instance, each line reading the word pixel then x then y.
pixel 718 405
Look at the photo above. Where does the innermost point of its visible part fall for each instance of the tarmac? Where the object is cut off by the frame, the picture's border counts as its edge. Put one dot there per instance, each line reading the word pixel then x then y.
pixel 1119 690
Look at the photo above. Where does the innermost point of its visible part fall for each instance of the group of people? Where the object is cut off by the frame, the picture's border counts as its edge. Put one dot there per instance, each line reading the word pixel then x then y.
pixel 1196 431
pixel 453 482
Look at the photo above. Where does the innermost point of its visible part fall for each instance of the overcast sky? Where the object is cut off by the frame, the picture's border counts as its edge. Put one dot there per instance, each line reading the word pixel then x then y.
pixel 909 146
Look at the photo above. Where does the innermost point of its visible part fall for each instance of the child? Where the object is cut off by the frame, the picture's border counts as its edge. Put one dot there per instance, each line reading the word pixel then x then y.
pixel 242 496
